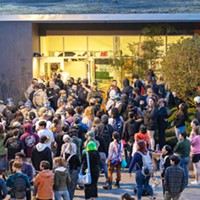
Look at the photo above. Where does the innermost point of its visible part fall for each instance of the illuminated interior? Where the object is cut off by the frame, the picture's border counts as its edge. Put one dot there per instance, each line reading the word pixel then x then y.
pixel 89 56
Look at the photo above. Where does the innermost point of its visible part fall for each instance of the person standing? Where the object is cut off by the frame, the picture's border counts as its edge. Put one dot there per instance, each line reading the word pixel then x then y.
pixel 163 114
pixel 165 162
pixel 44 131
pixel 174 181
pixel 41 152
pixel 180 118
pixel 142 180
pixel 195 150
pixel 91 191
pixel 183 150
pixel 44 181
pixel 115 156
pixel 18 182
pixel 61 179
pixel 30 139
pixel 26 169
pixel 150 120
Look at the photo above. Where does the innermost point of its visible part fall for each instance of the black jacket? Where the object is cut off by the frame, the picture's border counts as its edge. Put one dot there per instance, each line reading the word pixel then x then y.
pixel 150 118
pixel 39 154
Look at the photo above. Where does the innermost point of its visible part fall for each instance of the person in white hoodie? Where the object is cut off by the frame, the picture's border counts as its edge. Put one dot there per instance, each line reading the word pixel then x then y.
pixel 41 152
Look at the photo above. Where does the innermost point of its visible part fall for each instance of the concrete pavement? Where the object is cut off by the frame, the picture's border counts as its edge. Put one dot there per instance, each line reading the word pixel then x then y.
pixel 127 184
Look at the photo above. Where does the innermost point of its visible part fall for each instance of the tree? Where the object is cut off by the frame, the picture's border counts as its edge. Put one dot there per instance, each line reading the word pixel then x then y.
pixel 146 53
pixel 181 66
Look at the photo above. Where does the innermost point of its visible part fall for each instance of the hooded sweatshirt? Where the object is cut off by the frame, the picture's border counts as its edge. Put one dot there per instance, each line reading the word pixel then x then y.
pixel 41 152
pixel 44 182
pixel 127 88
pixel 61 179
pixel 30 139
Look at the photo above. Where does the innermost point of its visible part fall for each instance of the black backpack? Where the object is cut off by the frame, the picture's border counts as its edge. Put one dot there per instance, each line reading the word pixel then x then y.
pixel 19 187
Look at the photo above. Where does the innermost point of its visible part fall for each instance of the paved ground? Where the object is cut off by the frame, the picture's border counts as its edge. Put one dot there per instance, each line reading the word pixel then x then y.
pixel 127 184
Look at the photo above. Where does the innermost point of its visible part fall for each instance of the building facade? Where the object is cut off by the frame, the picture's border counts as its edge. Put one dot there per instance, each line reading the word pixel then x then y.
pixel 78 45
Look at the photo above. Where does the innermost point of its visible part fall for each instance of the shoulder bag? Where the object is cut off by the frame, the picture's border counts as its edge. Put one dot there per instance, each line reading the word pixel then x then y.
pixel 85 179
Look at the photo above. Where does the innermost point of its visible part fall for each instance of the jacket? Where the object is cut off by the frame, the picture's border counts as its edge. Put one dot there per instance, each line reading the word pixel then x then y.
pixel 61 179
pixel 41 152
pixel 44 183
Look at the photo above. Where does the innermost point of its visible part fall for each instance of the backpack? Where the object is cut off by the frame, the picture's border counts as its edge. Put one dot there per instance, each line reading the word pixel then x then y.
pixel 118 125
pixel 147 167
pixel 19 187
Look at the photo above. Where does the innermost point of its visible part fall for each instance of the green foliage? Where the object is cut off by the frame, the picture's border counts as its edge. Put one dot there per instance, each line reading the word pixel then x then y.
pixel 170 130
pixel 181 67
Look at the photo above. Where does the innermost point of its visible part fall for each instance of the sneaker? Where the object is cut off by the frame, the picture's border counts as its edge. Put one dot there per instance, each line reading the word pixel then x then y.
pixel 195 182
pixel 152 198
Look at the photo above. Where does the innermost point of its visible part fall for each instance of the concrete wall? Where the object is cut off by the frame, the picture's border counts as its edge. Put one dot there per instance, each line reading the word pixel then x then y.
pixel 15 59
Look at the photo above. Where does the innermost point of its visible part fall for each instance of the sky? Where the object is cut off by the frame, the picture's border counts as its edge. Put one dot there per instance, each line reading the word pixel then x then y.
pixel 98 6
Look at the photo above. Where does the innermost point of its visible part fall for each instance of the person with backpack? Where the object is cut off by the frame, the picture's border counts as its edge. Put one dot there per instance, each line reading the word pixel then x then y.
pixel 26 169
pixel 105 130
pixel 17 182
pixel 142 164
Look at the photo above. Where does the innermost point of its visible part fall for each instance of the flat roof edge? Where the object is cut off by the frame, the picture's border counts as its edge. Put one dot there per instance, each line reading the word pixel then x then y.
pixel 110 18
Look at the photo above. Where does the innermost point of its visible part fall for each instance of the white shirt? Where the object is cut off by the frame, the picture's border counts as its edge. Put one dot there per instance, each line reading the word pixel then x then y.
pixel 48 134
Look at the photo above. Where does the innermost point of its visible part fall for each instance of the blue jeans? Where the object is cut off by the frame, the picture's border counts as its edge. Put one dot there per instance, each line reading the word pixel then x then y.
pixel 185 165
pixel 142 182
pixel 61 194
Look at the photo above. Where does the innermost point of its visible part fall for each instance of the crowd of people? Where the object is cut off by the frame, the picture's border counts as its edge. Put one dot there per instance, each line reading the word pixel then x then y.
pixel 44 139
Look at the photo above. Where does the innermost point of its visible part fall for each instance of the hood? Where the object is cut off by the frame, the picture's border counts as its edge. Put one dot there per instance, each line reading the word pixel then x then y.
pixel 28 128
pixel 126 82
pixel 40 147
pixel 104 119
pixel 61 169
pixel 46 173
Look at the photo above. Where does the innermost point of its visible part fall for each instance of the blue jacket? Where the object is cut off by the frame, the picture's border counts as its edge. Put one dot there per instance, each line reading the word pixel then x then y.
pixel 10 180
pixel 3 189
pixel 136 162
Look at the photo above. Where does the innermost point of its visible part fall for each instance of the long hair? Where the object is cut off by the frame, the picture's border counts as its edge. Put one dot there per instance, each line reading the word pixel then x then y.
pixel 60 161
pixel 142 147
pixel 89 112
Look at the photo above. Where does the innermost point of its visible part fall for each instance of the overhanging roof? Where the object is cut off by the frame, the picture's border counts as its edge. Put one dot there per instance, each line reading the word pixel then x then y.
pixel 105 18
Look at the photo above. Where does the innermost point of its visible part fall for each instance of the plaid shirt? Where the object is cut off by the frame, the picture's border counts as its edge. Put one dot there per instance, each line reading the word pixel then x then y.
pixel 175 180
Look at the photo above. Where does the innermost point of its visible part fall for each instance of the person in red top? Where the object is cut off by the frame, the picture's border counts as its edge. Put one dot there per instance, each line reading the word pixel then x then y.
pixel 142 135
